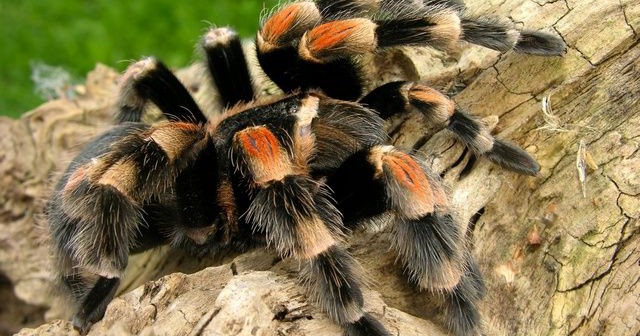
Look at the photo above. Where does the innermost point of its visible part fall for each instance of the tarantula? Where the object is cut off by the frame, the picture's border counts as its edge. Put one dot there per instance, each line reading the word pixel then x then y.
pixel 296 172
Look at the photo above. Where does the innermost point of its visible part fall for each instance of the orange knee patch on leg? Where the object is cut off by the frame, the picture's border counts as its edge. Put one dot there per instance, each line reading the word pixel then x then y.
pixel 263 153
pixel 409 174
pixel 442 108
pixel 294 18
pixel 338 38
pixel 407 183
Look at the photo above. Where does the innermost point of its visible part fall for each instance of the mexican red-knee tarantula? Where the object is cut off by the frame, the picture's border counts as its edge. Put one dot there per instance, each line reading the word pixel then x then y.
pixel 295 173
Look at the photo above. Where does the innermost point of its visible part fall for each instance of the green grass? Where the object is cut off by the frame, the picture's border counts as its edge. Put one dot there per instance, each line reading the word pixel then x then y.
pixel 77 34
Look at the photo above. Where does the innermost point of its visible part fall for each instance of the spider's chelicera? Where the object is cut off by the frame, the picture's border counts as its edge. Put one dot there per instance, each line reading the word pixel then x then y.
pixel 294 173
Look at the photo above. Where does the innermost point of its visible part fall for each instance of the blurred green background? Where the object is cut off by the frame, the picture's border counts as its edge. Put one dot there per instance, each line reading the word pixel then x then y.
pixel 75 35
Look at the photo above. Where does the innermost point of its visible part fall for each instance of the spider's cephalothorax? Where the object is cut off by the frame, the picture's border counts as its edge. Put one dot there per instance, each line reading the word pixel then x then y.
pixel 294 173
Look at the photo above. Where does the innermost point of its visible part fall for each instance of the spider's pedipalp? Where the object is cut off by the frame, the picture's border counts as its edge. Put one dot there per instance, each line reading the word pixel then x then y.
pixel 98 212
pixel 228 66
pixel 438 109
pixel 149 80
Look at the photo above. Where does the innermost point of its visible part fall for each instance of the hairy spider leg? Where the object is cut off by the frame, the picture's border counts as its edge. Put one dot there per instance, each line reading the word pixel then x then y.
pixel 295 213
pixel 462 316
pixel 301 46
pixel 405 97
pixel 194 184
pixel 344 9
pixel 277 52
pixel 96 214
pixel 227 66
pixel 95 303
pixel 494 34
pixel 432 26
pixel 427 240
pixel 149 80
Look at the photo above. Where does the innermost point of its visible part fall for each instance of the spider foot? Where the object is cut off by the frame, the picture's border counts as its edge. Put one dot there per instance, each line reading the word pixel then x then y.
pixel 367 325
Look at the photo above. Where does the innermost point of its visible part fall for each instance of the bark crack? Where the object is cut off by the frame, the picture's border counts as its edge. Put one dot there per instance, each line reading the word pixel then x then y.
pixel 626 18
pixel 613 261
pixel 204 322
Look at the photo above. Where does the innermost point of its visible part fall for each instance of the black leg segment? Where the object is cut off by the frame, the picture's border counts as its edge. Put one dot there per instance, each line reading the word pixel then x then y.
pixel 95 303
pixel 228 66
pixel 150 80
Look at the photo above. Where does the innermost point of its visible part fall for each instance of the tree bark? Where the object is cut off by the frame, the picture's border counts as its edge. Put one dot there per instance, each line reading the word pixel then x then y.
pixel 560 257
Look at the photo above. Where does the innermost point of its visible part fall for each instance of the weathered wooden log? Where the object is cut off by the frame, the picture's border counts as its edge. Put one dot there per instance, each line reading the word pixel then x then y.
pixel 560 256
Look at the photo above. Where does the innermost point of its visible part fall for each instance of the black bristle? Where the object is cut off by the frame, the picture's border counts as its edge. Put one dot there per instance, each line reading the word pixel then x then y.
pixel 228 66
pixel 406 32
pixel 333 279
pixel 465 127
pixel 338 9
pixel 162 87
pixel 356 191
pixel 489 33
pixel 511 157
pixel 425 245
pixel 386 99
pixel 128 113
pixel 461 311
pixel 462 316
pixel 366 326
pixel 540 43
pixel 290 73
pixel 95 304
pixel 278 210
pixel 342 129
